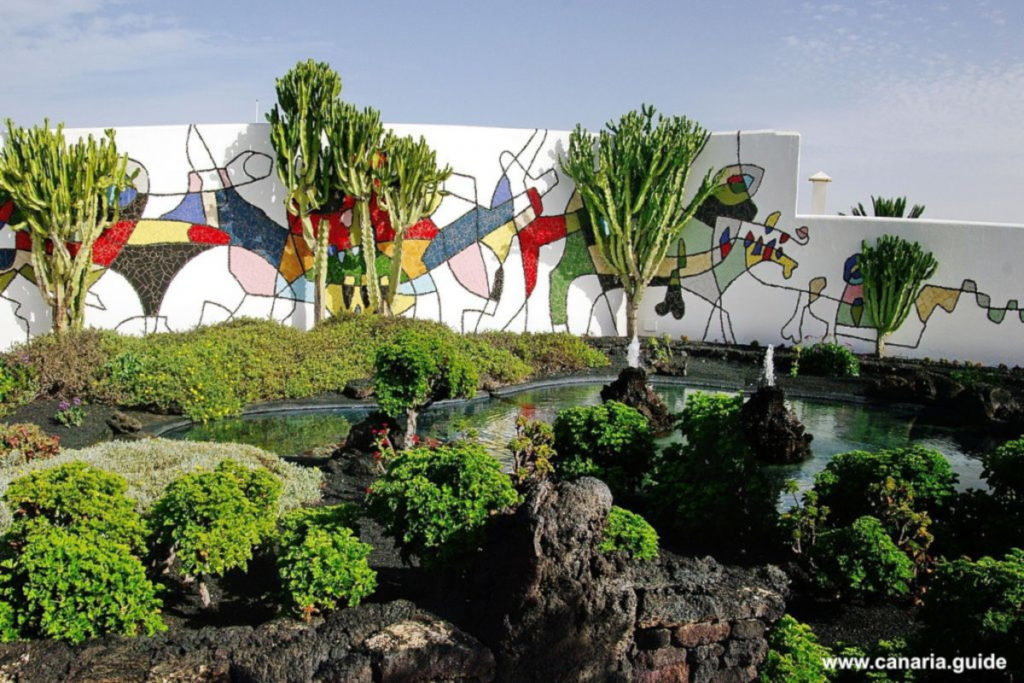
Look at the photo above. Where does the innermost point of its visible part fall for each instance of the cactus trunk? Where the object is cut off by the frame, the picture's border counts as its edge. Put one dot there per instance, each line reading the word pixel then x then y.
pixel 368 245
pixel 396 272
pixel 320 272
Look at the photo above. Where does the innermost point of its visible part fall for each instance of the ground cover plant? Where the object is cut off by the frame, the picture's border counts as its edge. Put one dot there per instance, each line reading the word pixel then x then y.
pixel 630 533
pixel 21 443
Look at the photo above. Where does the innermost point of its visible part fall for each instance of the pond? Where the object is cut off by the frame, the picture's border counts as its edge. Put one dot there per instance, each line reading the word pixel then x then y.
pixel 837 427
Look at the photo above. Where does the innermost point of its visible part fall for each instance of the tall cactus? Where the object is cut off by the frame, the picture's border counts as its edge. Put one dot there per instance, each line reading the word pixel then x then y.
pixel 893 271
pixel 307 97
pixel 632 180
pixel 408 184
pixel 356 137
pixel 66 196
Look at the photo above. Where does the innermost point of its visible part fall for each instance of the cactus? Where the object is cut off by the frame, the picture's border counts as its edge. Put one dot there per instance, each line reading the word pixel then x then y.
pixel 893 271
pixel 66 196
pixel 408 185
pixel 356 138
pixel 633 186
pixel 307 97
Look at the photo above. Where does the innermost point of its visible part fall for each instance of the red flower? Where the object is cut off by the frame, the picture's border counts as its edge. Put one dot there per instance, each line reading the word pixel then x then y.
pixel 368 490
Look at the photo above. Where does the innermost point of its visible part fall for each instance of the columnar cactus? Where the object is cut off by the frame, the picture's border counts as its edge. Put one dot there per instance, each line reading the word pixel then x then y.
pixel 66 196
pixel 409 188
pixel 307 97
pixel 893 271
pixel 356 138
pixel 632 186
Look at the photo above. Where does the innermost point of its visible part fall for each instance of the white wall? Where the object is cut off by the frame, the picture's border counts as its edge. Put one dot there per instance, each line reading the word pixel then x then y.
pixel 207 240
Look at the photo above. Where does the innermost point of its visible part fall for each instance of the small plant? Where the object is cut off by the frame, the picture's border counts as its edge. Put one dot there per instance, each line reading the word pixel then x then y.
pixel 863 560
pixel 794 654
pixel 435 501
pixel 18 382
pixel 24 442
pixel 660 350
pixel 70 413
pixel 1004 470
pixel 893 271
pixel 533 450
pixel 383 447
pixel 804 520
pixel 630 533
pixel 211 521
pixel 321 561
pixel 794 363
pixel 828 360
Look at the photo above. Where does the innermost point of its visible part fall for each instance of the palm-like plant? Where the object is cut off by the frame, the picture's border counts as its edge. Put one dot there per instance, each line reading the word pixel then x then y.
pixel 885 207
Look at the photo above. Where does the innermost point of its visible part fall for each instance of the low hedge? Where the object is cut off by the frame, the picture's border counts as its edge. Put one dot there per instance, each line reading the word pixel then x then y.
pixel 149 466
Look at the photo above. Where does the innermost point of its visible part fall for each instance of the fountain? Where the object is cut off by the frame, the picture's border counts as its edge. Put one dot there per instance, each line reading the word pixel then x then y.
pixel 633 353
pixel 770 426
pixel 768 370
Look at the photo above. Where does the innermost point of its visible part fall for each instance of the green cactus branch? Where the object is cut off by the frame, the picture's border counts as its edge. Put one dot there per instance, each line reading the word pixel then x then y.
pixel 893 271
pixel 66 196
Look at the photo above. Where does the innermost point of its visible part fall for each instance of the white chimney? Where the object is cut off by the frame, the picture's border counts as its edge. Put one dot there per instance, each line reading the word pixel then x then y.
pixel 819 193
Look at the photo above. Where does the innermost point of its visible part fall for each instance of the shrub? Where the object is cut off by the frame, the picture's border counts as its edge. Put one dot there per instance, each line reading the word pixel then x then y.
pixel 435 501
pixel 8 623
pixel 211 521
pixel 828 360
pixel 548 352
pixel 532 450
pixel 18 383
pixel 24 442
pixel 1003 469
pixel 74 584
pixel 72 365
pixel 847 483
pixel 863 560
pixel 612 441
pixel 711 486
pixel 794 654
pixel 976 607
pixel 80 498
pixel 630 533
pixel 149 466
pixel 321 561
pixel 415 369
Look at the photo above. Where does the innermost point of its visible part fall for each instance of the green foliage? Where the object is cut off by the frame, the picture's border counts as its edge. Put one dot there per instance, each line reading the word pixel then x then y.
pixel 611 440
pixel 976 607
pixel 414 369
pixel 21 443
pixel 212 520
pixel 853 484
pixel 1004 470
pixel 632 179
pixel 321 561
pixel 547 352
pixel 76 584
pixel 66 194
pixel 711 486
pixel 885 207
pixel 862 559
pixel 893 271
pixel 533 450
pixel 408 183
pixel 70 413
pixel 8 623
pixel 300 123
pixel 794 654
pixel 435 501
pixel 630 533
pixel 828 360
pixel 80 498
pixel 18 383
pixel 148 466
pixel 69 365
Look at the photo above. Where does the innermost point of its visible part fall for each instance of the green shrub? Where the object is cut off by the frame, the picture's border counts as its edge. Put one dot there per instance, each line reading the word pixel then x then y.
pixel 711 487
pixel 211 521
pixel 416 368
pixel 321 561
pixel 630 533
pixel 18 382
pixel 435 501
pixel 1003 469
pixel 74 584
pixel 862 559
pixel 828 360
pixel 24 442
pixel 612 441
pixel 533 450
pixel 976 607
pixel 548 352
pixel 148 466
pixel 80 498
pixel 849 483
pixel 8 623
pixel 72 365
pixel 794 654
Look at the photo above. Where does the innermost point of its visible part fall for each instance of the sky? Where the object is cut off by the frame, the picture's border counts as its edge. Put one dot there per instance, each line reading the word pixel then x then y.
pixel 891 97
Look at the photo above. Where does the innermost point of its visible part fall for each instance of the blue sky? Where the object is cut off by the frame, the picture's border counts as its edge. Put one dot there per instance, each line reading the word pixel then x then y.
pixel 916 97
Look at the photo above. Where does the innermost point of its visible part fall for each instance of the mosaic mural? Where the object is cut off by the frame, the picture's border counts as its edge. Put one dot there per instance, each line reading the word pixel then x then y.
pixel 203 238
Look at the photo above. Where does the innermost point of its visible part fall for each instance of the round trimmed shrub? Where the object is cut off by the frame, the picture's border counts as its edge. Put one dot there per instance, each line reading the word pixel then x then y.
pixel 630 533
pixel 435 501
pixel 212 521
pixel 611 441
pixel 321 561
pixel 862 559
pixel 75 584
pixel 794 654
pixel 829 360
pixel 1004 470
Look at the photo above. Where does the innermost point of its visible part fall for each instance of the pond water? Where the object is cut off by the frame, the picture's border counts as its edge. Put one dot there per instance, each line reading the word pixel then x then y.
pixel 837 427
